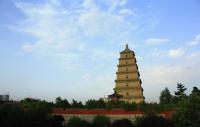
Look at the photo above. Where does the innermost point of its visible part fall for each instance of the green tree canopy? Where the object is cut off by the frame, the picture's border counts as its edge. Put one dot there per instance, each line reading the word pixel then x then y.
pixel 74 122
pixel 152 120
pixel 76 104
pixel 188 114
pixel 180 90
pixel 165 96
pixel 122 123
pixel 28 113
pixel 62 103
pixel 196 91
pixel 101 121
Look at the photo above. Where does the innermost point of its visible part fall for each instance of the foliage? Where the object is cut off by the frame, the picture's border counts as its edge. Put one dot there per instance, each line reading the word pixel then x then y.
pixel 37 113
pixel 122 123
pixel 57 121
pixel 188 114
pixel 129 106
pixel 196 91
pixel 74 122
pixel 91 104
pixel 152 120
pixel 27 113
pixel 86 124
pixel 165 96
pixel 78 122
pixel 76 104
pixel 179 93
pixel 101 121
pixel 62 103
pixel 180 90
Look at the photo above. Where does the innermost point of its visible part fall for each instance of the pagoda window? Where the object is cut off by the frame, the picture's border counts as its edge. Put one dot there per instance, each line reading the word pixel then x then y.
pixel 126 84
pixel 126 76
pixel 127 93
pixel 126 56
pixel 126 69
pixel 126 62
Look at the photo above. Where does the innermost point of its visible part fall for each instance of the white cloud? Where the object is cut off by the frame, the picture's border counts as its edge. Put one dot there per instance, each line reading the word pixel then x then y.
pixel 156 41
pixel 167 75
pixel 62 30
pixel 157 52
pixel 123 2
pixel 70 36
pixel 115 4
pixel 195 41
pixel 175 53
pixel 194 55
pixel 125 12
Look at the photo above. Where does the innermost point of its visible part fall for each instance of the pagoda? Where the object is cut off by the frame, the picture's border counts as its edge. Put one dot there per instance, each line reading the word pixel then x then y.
pixel 128 82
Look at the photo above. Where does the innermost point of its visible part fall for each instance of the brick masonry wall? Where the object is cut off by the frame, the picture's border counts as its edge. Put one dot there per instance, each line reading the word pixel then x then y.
pixel 115 114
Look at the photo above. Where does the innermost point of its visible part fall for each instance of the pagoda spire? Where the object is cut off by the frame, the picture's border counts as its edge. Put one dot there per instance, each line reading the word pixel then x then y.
pixel 126 46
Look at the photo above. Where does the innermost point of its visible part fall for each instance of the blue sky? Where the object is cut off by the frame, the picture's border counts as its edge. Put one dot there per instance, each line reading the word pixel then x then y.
pixel 68 48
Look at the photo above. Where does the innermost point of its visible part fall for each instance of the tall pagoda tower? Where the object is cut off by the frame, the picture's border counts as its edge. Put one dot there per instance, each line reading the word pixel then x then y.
pixel 128 82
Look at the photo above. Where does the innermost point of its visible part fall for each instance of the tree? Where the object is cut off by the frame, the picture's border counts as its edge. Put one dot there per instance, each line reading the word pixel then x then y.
pixel 26 113
pixel 101 103
pixel 90 104
pixel 196 91
pixel 62 103
pixel 57 121
pixel 74 122
pixel 165 96
pixel 101 121
pixel 78 122
pixel 180 93
pixel 58 100
pixel 122 123
pixel 152 120
pixel 86 124
pixel 180 90
pixel 188 115
pixel 76 104
pixel 129 106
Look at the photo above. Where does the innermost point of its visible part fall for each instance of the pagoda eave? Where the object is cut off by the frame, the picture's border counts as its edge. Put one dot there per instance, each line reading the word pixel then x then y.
pixel 127 58
pixel 126 65
pixel 129 80
pixel 128 72
pixel 131 97
pixel 125 88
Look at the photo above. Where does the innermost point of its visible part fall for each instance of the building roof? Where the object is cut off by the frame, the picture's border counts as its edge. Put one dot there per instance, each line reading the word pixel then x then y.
pixel 115 95
pixel 126 50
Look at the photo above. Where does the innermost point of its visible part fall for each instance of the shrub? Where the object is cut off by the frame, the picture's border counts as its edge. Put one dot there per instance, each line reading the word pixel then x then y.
pixel 152 120
pixel 122 123
pixel 101 121
pixel 74 122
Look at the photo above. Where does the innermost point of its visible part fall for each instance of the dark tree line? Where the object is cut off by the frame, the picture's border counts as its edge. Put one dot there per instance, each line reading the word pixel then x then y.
pixel 37 113
pixel 180 94
pixel 187 106
pixel 28 113
pixel 149 120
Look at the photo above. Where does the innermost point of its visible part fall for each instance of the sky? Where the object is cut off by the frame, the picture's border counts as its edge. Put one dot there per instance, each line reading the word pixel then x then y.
pixel 68 48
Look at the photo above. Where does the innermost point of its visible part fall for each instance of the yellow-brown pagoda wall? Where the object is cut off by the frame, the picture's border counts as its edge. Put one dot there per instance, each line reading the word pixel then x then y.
pixel 130 84
pixel 131 92
pixel 136 100
pixel 130 68
pixel 130 76
pixel 128 55
pixel 128 61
